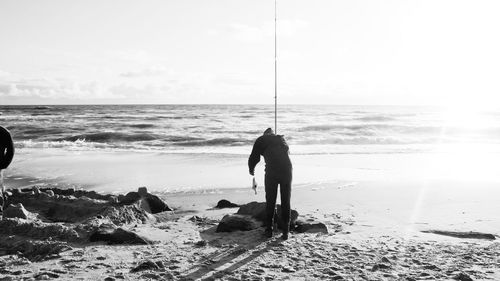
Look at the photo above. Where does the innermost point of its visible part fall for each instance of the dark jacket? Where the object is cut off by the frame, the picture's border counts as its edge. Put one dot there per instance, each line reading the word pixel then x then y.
pixel 6 148
pixel 275 151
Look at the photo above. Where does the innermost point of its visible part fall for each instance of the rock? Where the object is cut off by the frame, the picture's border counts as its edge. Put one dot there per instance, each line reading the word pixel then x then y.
pixel 160 264
pixel 288 269
pixel 127 214
pixel 129 198
pixel 44 196
pixel 61 208
pixel 66 209
pixel 46 276
pixel 258 211
pixel 64 192
pixel 235 222
pixel 113 199
pixel 150 276
pixel 111 235
pixel 225 204
pixel 315 227
pixel 42 277
pixel 146 265
pixel 109 278
pixel 38 230
pixel 201 243
pixel 462 277
pixel 255 209
pixel 35 190
pixel 151 202
pixel 142 191
pixel 87 216
pixel 380 266
pixel 17 211
pixel 156 205
pixel 34 250
pixel 385 260
pixel 457 234
pixel 431 267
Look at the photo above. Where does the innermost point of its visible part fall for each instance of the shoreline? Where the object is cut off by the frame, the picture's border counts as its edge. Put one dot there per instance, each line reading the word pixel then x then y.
pixel 110 171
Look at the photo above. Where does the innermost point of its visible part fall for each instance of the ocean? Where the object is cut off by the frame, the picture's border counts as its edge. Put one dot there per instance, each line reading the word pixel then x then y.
pixel 309 129
pixel 116 148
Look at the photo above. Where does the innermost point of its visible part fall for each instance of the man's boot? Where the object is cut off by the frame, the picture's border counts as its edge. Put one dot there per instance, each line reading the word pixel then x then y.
pixel 286 230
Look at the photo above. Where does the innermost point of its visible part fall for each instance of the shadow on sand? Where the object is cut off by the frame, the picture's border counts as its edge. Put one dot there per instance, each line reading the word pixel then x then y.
pixel 236 249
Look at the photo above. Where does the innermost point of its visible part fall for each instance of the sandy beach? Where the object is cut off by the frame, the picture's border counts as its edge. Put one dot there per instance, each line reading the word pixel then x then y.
pixel 375 233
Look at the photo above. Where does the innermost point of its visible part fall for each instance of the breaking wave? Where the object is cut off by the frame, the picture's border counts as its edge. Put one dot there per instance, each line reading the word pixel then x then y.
pixel 209 127
pixel 111 137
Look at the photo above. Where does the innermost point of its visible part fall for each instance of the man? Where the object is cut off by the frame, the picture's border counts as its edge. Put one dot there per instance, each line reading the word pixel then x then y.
pixel 278 171
pixel 6 155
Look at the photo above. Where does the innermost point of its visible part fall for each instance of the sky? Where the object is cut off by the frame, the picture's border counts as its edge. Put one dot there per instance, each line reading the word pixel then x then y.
pixel 425 52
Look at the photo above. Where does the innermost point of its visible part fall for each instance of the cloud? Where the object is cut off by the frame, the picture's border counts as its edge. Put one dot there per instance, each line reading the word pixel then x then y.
pixel 247 33
pixel 147 72
pixel 176 87
pixel 4 73
pixel 253 33
pixel 54 89
pixel 137 56
pixel 291 27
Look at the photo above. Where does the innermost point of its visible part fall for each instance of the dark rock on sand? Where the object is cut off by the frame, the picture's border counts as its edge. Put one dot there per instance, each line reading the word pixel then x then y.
pixel 150 202
pixel 82 205
pixel 112 235
pixel 235 222
pixel 315 227
pixel 380 266
pixel 226 204
pixel 462 277
pixel 59 209
pixel 17 211
pixel 469 235
pixel 126 214
pixel 129 198
pixel 255 209
pixel 145 265
pixel 201 243
pixel 52 217
pixel 258 211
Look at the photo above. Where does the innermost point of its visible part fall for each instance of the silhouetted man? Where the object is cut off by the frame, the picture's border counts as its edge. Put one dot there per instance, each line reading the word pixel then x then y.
pixel 278 172
pixel 6 155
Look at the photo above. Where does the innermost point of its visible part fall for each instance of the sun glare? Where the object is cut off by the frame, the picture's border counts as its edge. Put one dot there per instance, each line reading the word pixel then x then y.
pixel 465 149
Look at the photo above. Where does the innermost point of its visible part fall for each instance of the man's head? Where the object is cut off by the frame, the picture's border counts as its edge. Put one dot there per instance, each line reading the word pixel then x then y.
pixel 269 131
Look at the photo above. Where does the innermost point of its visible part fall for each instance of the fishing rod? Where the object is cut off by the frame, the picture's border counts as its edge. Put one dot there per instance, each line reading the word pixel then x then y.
pixel 275 73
